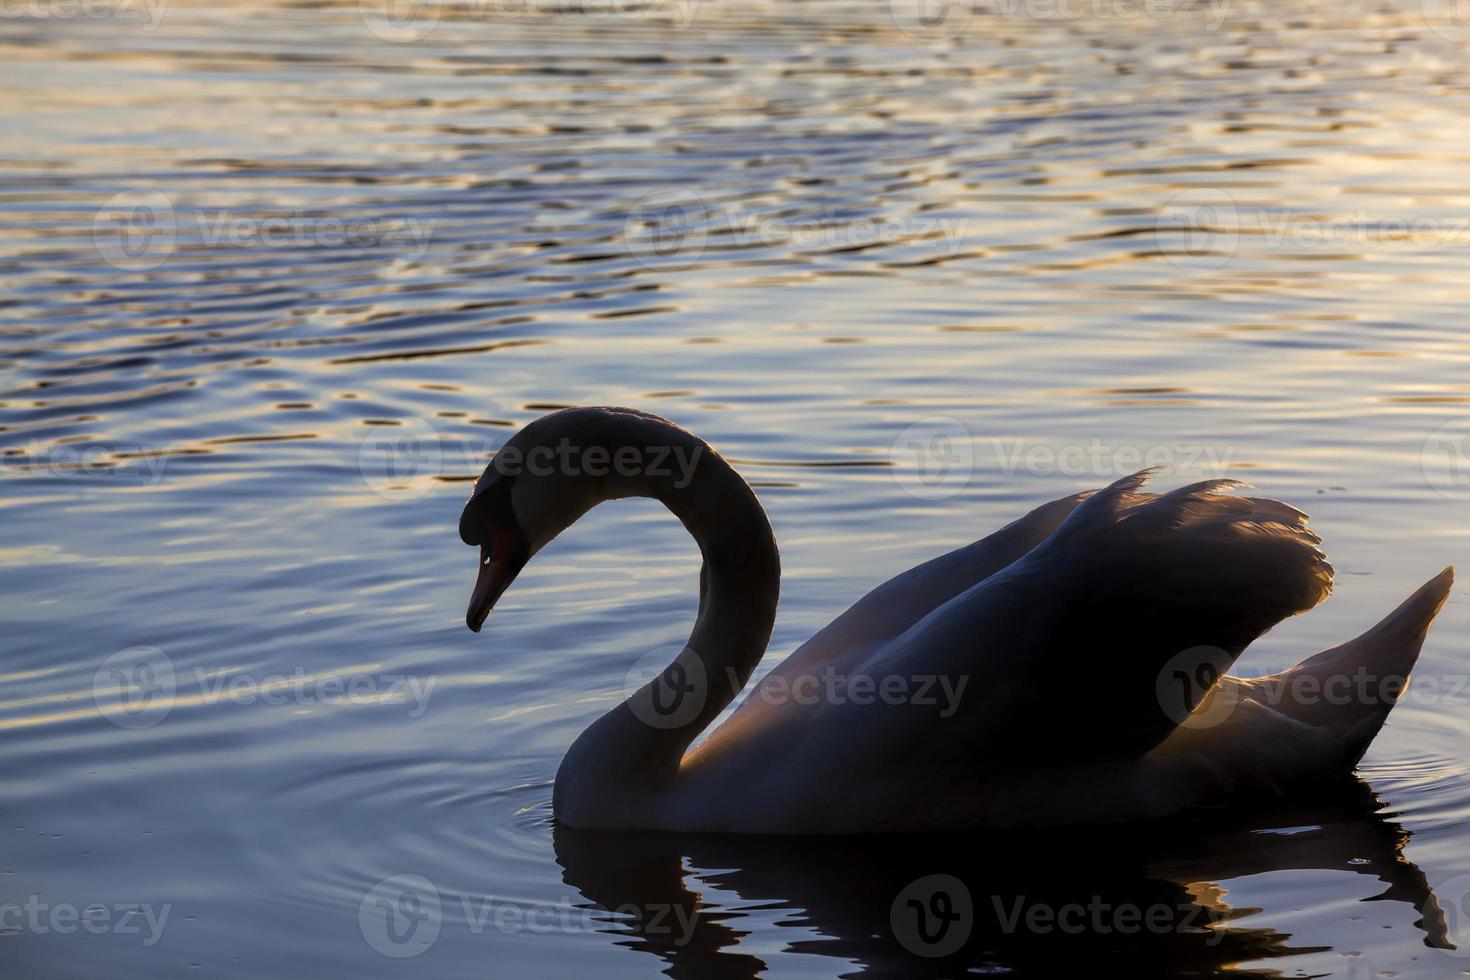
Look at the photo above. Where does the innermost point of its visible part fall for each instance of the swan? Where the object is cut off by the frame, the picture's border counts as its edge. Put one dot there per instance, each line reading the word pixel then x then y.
pixel 1084 649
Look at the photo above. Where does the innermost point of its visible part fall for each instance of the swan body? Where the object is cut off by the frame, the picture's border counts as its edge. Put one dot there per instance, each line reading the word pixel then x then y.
pixel 1069 668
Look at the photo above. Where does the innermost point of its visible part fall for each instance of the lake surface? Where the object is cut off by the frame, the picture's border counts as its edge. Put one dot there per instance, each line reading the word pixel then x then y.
pixel 281 276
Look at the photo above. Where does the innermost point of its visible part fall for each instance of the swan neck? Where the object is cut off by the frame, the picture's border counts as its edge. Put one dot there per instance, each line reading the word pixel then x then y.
pixel 614 771
pixel 739 584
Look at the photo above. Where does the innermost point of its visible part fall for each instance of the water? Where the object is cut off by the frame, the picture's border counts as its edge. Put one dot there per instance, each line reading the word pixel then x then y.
pixel 277 286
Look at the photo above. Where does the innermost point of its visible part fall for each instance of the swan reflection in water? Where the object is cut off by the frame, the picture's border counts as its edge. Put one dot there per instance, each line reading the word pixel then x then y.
pixel 1155 898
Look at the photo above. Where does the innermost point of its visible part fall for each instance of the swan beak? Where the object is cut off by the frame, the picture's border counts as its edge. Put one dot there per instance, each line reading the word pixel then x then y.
pixel 494 578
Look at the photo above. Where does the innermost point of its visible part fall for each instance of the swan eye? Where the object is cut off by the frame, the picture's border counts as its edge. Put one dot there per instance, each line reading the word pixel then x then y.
pixel 488 506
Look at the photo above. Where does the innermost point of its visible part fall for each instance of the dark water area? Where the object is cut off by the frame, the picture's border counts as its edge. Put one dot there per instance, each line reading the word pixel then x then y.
pixel 280 277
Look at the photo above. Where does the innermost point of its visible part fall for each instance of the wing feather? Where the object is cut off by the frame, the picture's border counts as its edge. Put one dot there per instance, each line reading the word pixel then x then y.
pixel 1063 650
pixel 896 605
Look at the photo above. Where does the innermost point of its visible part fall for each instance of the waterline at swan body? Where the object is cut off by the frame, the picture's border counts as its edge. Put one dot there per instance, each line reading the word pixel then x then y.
pixel 1067 668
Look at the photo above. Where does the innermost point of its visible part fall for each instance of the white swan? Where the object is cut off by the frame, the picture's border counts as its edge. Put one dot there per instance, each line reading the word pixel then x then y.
pixel 1081 647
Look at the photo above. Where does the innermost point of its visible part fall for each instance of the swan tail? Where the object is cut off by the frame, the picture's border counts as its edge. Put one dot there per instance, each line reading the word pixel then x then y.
pixel 1349 690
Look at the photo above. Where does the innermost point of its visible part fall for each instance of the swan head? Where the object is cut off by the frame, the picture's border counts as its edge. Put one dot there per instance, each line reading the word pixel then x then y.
pixel 553 471
pixel 490 522
pixel 517 506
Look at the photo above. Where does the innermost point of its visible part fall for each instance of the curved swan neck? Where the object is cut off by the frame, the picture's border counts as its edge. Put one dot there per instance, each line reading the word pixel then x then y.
pixel 739 585
pixel 637 746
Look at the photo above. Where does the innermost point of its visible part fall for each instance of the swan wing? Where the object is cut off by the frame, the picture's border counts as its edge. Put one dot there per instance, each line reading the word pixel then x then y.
pixel 1067 653
pixel 893 607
